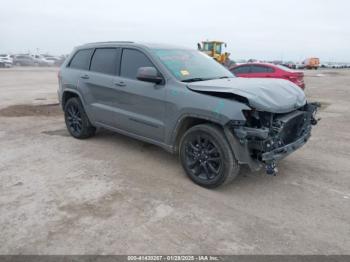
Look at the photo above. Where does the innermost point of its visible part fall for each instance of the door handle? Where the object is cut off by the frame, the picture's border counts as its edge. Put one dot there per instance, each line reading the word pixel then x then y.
pixel 119 83
pixel 85 76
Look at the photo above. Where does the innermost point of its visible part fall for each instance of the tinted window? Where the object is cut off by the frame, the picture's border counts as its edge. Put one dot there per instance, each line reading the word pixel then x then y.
pixel 81 59
pixel 261 69
pixel 132 60
pixel 241 70
pixel 105 60
pixel 270 70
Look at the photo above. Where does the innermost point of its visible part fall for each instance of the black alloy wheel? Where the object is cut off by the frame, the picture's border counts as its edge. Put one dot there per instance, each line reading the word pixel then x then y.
pixel 76 119
pixel 206 156
pixel 203 157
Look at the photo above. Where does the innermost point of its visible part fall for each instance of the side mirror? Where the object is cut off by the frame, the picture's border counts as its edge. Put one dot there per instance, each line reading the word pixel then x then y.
pixel 148 74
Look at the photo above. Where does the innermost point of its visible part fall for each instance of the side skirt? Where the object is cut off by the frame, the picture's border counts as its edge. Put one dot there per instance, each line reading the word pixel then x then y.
pixel 166 147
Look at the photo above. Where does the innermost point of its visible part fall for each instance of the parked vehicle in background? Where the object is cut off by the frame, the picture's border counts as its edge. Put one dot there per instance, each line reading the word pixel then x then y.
pixel 312 63
pixel 52 59
pixel 266 70
pixel 42 61
pixel 214 49
pixel 61 60
pixel 6 60
pixel 184 101
pixel 57 61
pixel 299 66
pixel 290 65
pixel 24 60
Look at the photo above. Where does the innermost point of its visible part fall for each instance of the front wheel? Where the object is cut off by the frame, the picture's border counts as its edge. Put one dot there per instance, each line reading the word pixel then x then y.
pixel 207 157
pixel 76 119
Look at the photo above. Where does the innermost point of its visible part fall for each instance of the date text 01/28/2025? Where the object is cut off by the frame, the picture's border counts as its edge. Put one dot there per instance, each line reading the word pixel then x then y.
pixel 173 258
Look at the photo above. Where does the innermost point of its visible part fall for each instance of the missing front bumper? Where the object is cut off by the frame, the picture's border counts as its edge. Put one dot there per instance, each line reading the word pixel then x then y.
pixel 281 152
pixel 266 145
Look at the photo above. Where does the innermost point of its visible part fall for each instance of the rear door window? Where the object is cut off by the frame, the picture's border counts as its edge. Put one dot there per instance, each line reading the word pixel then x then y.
pixel 106 60
pixel 261 69
pixel 132 60
pixel 81 59
pixel 241 70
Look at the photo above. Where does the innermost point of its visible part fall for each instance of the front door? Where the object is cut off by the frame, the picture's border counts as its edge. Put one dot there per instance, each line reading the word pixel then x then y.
pixel 141 105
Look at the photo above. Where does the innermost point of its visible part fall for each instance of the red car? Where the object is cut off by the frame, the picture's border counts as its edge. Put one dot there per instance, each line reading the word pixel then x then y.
pixel 265 70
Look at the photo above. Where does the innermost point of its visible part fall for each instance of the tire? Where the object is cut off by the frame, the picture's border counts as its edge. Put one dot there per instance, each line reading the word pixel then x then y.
pixel 206 156
pixel 77 122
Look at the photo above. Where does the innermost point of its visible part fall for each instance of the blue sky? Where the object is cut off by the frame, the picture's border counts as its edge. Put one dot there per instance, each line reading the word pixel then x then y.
pixel 269 29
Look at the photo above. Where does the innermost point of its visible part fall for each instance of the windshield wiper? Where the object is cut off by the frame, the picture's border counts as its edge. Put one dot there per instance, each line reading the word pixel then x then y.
pixel 195 79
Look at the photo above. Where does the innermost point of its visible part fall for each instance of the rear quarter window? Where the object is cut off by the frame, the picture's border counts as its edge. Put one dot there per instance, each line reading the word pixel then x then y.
pixel 81 59
pixel 270 70
pixel 261 69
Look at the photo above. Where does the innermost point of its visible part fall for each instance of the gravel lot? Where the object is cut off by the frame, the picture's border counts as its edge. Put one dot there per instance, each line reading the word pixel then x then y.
pixel 114 195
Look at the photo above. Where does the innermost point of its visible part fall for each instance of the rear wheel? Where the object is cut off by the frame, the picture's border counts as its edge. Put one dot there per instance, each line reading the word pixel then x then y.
pixel 206 156
pixel 76 119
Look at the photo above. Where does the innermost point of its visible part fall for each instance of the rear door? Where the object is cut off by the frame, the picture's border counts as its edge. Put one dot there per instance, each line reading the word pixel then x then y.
pixel 72 76
pixel 141 104
pixel 97 86
pixel 261 71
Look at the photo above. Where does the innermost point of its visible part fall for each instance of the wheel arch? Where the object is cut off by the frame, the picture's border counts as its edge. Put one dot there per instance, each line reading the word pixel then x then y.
pixel 185 123
pixel 69 93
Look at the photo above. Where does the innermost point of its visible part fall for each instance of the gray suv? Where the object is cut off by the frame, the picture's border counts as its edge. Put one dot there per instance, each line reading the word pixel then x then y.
pixel 185 102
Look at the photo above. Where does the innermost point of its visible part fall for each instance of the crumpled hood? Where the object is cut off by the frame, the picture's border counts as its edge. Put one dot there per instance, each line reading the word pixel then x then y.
pixel 269 95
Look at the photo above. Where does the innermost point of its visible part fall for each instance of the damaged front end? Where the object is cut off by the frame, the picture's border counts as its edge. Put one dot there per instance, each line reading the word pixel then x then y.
pixel 265 138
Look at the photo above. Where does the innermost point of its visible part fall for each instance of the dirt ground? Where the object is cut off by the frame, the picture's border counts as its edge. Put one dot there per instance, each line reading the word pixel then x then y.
pixel 114 195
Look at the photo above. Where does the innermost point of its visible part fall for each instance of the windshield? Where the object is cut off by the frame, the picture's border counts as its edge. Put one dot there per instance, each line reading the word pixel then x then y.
pixel 208 46
pixel 191 65
pixel 218 48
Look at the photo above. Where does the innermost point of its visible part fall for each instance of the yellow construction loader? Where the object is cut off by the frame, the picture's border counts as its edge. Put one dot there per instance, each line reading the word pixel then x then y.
pixel 215 50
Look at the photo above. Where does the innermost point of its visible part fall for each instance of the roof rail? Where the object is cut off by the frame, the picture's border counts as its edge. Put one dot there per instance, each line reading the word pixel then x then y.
pixel 107 42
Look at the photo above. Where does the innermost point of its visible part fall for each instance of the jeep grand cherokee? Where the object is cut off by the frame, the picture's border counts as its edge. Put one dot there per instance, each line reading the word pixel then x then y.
pixel 185 102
